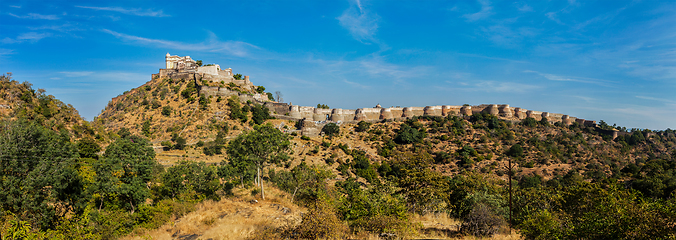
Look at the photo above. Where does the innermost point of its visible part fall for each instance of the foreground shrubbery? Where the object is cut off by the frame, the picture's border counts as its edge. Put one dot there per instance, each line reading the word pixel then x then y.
pixel 56 189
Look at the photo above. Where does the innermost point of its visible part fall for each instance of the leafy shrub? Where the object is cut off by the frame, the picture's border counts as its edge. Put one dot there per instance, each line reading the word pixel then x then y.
pixel 166 111
pixel 515 151
pixel 260 113
pixel 481 222
pixel 529 122
pixel 321 222
pixel 363 126
pixel 408 134
pixel 331 129
pixel 260 89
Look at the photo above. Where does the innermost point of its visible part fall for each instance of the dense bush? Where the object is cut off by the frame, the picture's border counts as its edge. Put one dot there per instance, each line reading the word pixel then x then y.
pixel 331 129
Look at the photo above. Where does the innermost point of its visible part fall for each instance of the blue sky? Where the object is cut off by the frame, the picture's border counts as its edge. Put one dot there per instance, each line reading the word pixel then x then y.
pixel 598 60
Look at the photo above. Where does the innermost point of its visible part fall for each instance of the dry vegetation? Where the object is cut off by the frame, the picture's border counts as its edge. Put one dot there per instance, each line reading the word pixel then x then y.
pixel 237 217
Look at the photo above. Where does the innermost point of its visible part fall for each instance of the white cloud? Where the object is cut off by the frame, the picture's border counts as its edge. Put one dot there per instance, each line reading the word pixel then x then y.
pixel 15 6
pixel 361 23
pixel 668 101
pixel 4 52
pixel 524 8
pixel 486 11
pixel 129 11
pixel 29 36
pixel 59 28
pixel 493 86
pixel 560 78
pixel 552 16
pixel 235 48
pixel 36 16
pixel 357 85
pixel 77 74
pixel 377 68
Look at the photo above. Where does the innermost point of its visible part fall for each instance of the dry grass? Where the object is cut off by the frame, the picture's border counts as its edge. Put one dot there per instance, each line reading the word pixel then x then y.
pixel 441 226
pixel 231 218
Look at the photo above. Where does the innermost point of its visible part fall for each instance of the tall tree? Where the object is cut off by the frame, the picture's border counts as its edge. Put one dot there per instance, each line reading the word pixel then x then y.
pixel 263 146
pixel 38 176
pixel 125 170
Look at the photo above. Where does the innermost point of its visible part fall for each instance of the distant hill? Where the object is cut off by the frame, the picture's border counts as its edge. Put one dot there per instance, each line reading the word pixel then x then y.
pixel 21 100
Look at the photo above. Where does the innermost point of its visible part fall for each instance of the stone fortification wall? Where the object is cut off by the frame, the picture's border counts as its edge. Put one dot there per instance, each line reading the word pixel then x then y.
pixel 224 92
pixel 505 111
pixel 450 110
pixel 311 117
pixel 397 112
pixel 502 111
pixel 211 70
pixel 479 108
pixel 307 112
pixel 367 114
pixel 537 115
pixel 321 114
pixel 432 111
pixel 278 108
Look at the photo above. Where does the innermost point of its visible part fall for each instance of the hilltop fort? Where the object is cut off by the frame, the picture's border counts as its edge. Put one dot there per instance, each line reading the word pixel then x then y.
pixel 312 118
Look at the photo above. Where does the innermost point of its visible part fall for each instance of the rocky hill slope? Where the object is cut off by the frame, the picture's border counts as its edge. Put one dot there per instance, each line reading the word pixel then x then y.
pixel 21 100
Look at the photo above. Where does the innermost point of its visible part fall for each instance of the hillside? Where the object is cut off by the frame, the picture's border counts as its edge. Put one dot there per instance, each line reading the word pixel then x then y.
pixel 442 174
pixel 164 107
pixel 20 100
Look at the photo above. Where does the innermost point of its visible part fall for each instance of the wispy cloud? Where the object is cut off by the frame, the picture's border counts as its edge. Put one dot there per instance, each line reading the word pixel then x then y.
pixel 129 11
pixel 357 85
pixel 77 74
pixel 670 101
pixel 15 6
pixel 361 23
pixel 377 67
pixel 26 37
pixel 506 35
pixel 585 98
pixel 59 28
pixel 486 11
pixel 36 16
pixel 212 44
pixel 5 52
pixel 494 86
pixel 560 78
pixel 553 16
pixel 491 58
pixel 524 8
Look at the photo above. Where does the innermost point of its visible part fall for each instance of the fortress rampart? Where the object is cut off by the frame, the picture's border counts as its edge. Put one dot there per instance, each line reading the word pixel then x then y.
pixel 311 117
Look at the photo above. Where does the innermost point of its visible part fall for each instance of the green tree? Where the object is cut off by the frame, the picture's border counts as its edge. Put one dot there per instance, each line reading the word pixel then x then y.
pixel 306 182
pixel 38 175
pixel 331 129
pixel 124 172
pixel 166 111
pixel 236 109
pixel 411 131
pixel 145 128
pixel 425 190
pixel 198 62
pixel 190 177
pixel 363 126
pixel 88 148
pixel 263 146
pixel 260 89
pixel 259 114
pixel 237 76
pixel 529 122
pixel 204 102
